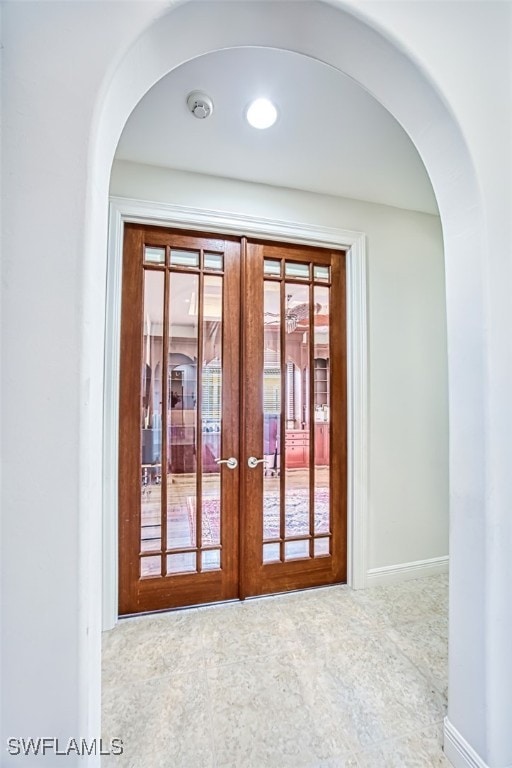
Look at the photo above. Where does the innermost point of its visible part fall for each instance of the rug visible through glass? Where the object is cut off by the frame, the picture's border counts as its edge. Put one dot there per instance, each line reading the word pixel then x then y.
pixel 296 511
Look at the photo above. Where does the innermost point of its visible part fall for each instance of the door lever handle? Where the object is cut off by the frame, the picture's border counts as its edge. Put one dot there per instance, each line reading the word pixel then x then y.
pixel 252 462
pixel 232 463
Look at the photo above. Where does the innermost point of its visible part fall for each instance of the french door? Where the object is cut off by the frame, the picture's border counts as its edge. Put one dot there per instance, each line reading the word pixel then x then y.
pixel 232 431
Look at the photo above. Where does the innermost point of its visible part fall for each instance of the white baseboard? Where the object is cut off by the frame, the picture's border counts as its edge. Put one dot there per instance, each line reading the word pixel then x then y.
pixel 391 574
pixel 458 751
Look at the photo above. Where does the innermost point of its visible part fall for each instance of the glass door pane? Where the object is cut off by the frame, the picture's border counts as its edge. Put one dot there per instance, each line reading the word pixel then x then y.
pixel 297 477
pixel 321 402
pixel 272 395
pixel 182 440
pixel 299 499
pixel 177 290
pixel 195 420
pixel 151 423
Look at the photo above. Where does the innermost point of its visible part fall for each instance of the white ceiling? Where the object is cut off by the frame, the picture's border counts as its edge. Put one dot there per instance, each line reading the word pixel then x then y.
pixel 331 136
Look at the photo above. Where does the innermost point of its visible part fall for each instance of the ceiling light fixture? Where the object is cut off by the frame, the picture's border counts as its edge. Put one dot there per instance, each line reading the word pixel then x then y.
pixel 261 114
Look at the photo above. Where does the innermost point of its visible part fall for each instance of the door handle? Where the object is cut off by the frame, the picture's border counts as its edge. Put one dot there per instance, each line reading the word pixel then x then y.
pixel 252 462
pixel 232 463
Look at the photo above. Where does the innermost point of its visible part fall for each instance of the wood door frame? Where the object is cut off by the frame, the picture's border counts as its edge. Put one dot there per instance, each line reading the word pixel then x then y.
pixel 169 589
pixel 291 573
pixel 124 210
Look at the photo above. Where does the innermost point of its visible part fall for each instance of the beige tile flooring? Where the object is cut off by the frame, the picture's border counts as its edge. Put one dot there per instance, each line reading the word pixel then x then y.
pixel 319 679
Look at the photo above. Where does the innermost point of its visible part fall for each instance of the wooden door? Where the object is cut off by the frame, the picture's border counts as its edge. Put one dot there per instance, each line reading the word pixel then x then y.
pixel 232 461
pixel 294 490
pixel 179 417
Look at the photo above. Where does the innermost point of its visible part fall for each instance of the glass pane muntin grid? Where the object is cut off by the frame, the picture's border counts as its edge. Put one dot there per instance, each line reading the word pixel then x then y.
pixel 317 543
pixel 208 556
pixel 200 259
pixel 319 274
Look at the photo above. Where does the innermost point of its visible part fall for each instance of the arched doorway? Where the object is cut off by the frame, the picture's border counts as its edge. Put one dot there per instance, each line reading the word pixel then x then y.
pixel 414 102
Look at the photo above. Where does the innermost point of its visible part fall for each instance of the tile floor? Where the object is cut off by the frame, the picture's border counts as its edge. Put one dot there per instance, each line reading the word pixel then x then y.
pixel 320 679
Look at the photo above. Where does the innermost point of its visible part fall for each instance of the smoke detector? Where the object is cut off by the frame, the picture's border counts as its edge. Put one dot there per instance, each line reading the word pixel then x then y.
pixel 200 104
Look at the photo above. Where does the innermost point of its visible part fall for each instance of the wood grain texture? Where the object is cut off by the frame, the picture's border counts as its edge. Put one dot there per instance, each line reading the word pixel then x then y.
pixel 260 578
pixel 338 437
pixel 242 572
pixel 129 424
pixel 169 591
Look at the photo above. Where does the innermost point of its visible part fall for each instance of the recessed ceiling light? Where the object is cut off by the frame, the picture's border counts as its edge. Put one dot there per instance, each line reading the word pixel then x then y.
pixel 261 113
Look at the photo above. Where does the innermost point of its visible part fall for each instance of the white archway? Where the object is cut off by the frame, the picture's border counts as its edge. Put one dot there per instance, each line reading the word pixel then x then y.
pixel 339 39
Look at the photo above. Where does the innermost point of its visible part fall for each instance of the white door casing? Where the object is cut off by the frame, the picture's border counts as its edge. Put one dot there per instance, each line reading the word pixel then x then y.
pixel 127 210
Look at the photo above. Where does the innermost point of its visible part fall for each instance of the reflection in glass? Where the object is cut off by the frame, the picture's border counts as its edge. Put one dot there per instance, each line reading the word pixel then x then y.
pixel 183 562
pixel 210 560
pixel 272 412
pixel 151 412
pixel 293 550
pixel 297 477
pixel 211 412
pixel 271 553
pixel 181 387
pixel 181 465
pixel 150 566
pixel 150 532
pixel 321 547
pixel 272 267
pixel 296 323
pixel 292 269
pixel 213 260
pixel 321 354
pixel 321 273
pixel 184 258
pixel 154 255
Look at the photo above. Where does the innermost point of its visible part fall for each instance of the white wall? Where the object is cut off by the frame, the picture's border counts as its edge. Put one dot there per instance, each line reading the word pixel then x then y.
pixel 442 37
pixel 71 74
pixel 408 388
